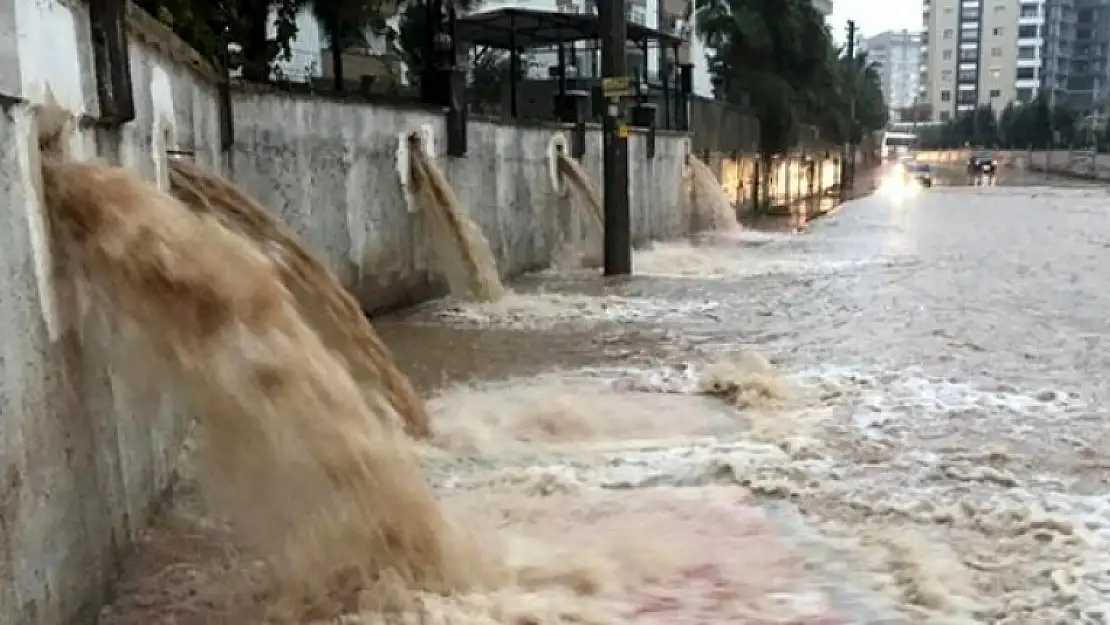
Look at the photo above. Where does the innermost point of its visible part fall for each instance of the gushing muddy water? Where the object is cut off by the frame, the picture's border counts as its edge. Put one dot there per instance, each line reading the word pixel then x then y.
pixel 711 207
pixel 926 400
pixel 943 432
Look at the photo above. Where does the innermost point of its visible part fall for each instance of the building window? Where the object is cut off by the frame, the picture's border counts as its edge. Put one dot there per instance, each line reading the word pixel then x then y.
pixel 1026 73
pixel 945 116
pixel 967 97
pixel 997 32
pixel 1025 95
pixel 1025 32
pixel 969 56
pixel 946 75
pixel 948 33
pixel 945 96
pixel 995 73
pixel 1030 10
pixel 996 52
pixel 946 55
pixel 1027 52
pixel 1000 8
pixel 996 93
pixel 967 75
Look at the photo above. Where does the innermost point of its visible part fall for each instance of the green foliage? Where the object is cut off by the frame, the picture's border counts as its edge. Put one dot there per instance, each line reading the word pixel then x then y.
pixel 1034 125
pixel 410 39
pixel 489 68
pixel 779 55
pixel 210 26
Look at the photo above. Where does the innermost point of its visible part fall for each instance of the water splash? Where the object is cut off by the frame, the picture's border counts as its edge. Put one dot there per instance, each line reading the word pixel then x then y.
pixel 320 297
pixel 294 454
pixel 588 206
pixel 462 252
pixel 712 210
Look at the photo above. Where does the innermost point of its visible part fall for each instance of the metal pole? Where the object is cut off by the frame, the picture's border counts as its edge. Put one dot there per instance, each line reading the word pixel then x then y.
pixel 614 64
pixel 845 176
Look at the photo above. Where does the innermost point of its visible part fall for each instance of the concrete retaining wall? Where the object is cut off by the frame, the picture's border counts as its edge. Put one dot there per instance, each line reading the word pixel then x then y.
pixel 85 456
pixel 329 169
pixel 1073 163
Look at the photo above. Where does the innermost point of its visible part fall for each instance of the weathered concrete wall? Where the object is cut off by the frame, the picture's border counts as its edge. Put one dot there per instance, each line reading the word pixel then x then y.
pixel 1072 163
pixel 330 170
pixel 82 460
pixel 85 456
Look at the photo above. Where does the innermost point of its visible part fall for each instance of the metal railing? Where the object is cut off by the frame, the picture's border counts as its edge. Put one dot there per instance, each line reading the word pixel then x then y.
pixel 722 128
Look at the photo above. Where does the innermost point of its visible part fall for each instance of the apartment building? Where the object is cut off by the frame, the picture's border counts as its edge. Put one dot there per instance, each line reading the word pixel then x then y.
pixel 1076 67
pixel 897 58
pixel 978 52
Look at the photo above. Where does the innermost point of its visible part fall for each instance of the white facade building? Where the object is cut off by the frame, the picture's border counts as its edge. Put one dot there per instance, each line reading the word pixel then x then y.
pixel 897 57
pixel 979 52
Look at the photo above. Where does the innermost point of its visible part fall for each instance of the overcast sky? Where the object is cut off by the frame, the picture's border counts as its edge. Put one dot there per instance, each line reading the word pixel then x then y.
pixel 874 16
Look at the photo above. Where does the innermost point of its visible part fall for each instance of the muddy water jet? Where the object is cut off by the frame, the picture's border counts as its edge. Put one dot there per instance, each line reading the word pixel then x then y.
pixel 711 208
pixel 589 201
pixel 588 205
pixel 462 252
pixel 294 454
pixel 320 297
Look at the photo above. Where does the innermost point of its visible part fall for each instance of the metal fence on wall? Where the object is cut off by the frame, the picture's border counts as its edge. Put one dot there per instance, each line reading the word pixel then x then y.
pixel 722 128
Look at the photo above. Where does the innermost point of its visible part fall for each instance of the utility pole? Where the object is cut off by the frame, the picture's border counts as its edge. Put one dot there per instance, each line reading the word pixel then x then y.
pixel 615 85
pixel 845 176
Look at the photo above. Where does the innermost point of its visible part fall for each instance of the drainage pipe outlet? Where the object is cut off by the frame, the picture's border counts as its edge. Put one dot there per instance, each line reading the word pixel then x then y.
pixel 426 139
pixel 556 148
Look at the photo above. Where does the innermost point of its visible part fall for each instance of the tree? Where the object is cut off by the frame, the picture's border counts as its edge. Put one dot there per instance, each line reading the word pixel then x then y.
pixel 489 68
pixel 410 39
pixel 344 24
pixel 984 127
pixel 771 52
pixel 1019 126
pixel 1063 121
pixel 212 27
pixel 778 54
pixel 861 79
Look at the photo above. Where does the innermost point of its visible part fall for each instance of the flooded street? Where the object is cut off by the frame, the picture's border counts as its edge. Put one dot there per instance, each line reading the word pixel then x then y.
pixel 942 428
pixel 895 416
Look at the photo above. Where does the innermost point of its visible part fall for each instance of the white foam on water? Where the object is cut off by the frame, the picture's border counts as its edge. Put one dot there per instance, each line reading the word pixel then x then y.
pixel 544 310
pixel 727 259
pixel 939 516
pixel 951 472
pixel 558 410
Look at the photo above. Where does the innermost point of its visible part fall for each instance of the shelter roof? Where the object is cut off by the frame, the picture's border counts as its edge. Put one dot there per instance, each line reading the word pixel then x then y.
pixel 531 28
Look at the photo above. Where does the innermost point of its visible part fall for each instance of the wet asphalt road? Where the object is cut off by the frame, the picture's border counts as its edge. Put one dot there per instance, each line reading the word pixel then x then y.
pixel 965 332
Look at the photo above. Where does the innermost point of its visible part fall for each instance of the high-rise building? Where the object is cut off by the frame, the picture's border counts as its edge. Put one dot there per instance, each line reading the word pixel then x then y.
pixel 1076 67
pixel 979 52
pixel 897 59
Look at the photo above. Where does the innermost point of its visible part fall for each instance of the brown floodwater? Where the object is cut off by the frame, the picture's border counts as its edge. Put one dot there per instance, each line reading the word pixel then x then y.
pixel 934 413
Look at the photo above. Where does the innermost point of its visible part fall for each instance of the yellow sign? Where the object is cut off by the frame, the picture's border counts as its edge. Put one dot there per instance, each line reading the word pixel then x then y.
pixel 616 86
pixel 624 131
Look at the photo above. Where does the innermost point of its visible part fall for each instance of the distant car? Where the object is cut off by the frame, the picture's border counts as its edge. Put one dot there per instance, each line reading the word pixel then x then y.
pixel 921 173
pixel 982 164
